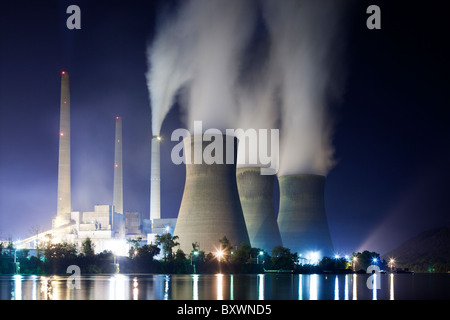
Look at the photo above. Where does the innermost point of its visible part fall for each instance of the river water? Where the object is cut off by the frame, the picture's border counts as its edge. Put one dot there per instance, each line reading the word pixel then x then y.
pixel 227 287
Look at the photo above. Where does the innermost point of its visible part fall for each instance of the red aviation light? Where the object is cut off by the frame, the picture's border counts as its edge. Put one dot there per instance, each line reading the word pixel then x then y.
pixel 63 72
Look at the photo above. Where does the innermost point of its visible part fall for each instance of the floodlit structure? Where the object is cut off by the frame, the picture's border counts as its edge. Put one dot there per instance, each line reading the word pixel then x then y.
pixel 210 207
pixel 301 218
pixel 108 225
pixel 155 180
pixel 256 196
pixel 119 220
pixel 64 196
pixel 118 170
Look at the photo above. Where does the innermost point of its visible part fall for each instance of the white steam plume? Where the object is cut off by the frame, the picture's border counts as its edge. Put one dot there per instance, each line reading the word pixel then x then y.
pixel 305 35
pixel 204 48
pixel 169 65
pixel 200 48
pixel 222 31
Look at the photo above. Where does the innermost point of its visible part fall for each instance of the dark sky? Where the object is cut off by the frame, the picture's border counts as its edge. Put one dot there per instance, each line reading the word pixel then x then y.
pixel 391 136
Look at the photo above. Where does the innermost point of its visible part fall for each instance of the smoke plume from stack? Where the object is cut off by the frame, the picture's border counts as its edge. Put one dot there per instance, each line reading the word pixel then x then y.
pixel 169 65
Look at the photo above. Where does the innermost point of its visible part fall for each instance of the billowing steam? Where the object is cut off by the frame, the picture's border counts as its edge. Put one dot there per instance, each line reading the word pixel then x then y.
pixel 252 64
pixel 305 45
pixel 170 65
pixel 199 48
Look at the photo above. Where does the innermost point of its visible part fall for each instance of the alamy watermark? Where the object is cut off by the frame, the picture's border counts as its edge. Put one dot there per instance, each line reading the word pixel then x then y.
pixel 256 147
pixel 374 281
pixel 74 281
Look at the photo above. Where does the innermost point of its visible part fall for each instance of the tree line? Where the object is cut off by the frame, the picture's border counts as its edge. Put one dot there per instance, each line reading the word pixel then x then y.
pixel 163 256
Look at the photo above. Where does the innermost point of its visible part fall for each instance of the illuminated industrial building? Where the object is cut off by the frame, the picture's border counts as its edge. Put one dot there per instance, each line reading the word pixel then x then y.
pixel 108 226
pixel 218 200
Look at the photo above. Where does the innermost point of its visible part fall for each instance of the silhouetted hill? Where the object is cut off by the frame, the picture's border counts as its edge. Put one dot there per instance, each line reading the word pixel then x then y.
pixel 428 251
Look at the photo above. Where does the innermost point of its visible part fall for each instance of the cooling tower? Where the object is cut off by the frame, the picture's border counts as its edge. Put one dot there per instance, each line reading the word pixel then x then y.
pixel 64 201
pixel 256 195
pixel 155 180
pixel 210 207
pixel 302 219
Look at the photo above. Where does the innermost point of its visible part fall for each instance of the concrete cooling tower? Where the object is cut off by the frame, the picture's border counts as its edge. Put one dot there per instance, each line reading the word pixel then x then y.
pixel 256 195
pixel 302 219
pixel 210 207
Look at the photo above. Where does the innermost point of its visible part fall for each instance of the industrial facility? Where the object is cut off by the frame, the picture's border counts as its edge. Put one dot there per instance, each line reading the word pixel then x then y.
pixel 218 200
pixel 108 226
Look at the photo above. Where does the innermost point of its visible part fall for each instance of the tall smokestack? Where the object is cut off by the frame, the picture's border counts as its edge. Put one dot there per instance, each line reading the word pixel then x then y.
pixel 118 171
pixel 64 202
pixel 256 195
pixel 302 219
pixel 155 180
pixel 210 207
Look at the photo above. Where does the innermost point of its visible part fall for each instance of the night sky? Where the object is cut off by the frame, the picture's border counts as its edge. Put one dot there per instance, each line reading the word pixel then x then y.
pixel 391 136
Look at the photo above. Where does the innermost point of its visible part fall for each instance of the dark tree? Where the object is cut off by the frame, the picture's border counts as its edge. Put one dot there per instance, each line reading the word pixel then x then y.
pixel 87 247
pixel 167 242
pixel 283 259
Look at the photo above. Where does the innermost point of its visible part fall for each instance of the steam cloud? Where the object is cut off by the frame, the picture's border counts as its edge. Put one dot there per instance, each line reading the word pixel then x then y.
pixel 253 64
pixel 306 51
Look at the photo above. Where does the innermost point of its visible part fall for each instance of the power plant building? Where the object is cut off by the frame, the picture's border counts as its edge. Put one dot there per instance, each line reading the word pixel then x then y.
pixel 108 226
pixel 218 200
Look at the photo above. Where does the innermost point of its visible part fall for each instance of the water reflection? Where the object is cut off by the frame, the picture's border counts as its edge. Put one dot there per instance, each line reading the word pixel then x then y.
pixel 195 287
pixel 374 286
pixel 17 293
pixel 166 287
pixel 336 288
pixel 117 285
pixel 222 287
pixel 300 287
pixel 231 287
pixel 260 287
pixel 135 289
pixel 219 286
pixel 391 286
pixel 347 276
pixel 313 286
pixel 34 287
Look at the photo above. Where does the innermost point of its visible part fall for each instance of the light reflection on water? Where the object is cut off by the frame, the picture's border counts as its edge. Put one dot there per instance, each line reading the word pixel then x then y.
pixel 227 287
